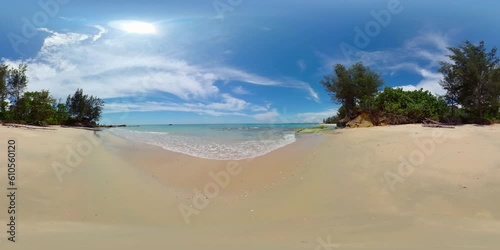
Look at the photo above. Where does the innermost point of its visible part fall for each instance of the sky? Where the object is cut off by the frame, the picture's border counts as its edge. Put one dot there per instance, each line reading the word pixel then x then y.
pixel 231 61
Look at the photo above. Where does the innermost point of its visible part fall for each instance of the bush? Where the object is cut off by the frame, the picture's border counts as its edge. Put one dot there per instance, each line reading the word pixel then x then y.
pixel 411 106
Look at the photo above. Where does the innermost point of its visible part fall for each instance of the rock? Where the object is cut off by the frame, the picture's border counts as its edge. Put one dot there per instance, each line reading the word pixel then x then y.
pixel 343 122
pixel 362 121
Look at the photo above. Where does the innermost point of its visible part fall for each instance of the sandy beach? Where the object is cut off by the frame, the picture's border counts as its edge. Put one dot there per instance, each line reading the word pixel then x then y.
pixel 396 187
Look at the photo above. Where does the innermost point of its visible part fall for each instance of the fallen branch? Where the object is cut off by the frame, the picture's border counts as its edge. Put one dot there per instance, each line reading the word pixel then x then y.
pixel 434 124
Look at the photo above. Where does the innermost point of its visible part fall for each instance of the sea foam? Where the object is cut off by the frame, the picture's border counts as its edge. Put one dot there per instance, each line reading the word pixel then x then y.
pixel 211 147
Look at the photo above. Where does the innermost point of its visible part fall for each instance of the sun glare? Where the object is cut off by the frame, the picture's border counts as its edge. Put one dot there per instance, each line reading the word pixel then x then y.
pixel 136 27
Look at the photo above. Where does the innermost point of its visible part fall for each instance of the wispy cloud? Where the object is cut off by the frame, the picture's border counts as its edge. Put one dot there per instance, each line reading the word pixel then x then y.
pixel 314 117
pixel 267 116
pixel 430 82
pixel 420 55
pixel 57 40
pixel 302 65
pixel 148 106
pixel 230 74
pixel 231 107
pixel 71 19
pixel 124 68
pixel 102 31
pixel 240 91
pixel 313 95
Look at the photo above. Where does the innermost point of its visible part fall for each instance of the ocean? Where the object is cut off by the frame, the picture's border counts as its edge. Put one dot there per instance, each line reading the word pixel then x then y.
pixel 215 141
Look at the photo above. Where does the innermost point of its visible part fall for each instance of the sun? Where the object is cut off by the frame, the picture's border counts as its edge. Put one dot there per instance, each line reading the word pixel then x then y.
pixel 135 27
pixel 139 27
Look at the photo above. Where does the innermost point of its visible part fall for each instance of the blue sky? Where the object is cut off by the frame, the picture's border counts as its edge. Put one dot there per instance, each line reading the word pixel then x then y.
pixel 231 61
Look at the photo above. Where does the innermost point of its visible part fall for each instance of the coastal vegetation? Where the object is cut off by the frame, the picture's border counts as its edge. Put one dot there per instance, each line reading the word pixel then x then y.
pixel 355 88
pixel 39 107
pixel 471 79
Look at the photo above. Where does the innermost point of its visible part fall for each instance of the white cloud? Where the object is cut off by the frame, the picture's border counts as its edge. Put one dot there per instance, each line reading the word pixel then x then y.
pixel 230 74
pixel 420 55
pixel 313 95
pixel 56 40
pixel 229 103
pixel 268 116
pixel 259 108
pixel 102 31
pixel 316 117
pixel 240 91
pixel 129 68
pixel 407 87
pixel 71 19
pixel 228 108
pixel 302 65
pixel 147 106
pixel 429 82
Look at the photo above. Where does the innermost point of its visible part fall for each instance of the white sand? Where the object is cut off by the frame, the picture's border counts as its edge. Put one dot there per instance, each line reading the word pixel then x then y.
pixel 124 195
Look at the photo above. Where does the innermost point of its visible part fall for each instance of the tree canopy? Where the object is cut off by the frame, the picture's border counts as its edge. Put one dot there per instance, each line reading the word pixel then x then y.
pixel 84 108
pixel 353 87
pixel 39 107
pixel 472 79
pixel 4 93
pixel 414 106
pixel 35 107
pixel 17 81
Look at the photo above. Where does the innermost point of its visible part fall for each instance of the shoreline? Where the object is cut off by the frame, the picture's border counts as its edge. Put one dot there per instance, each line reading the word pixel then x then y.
pixel 147 157
pixel 235 155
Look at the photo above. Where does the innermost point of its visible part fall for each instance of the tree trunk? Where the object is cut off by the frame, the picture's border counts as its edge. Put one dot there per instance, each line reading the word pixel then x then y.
pixel 480 108
pixel 480 111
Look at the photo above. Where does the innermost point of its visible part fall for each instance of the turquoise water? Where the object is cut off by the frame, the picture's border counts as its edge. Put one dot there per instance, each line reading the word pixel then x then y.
pixel 215 141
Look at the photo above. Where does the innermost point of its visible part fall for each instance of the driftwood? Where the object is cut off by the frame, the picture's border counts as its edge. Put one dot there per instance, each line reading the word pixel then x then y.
pixel 434 124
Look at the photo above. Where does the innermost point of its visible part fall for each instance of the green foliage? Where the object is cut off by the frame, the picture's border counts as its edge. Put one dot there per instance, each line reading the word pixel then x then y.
pixel 415 105
pixel 4 71
pixel 35 107
pixel 17 81
pixel 341 113
pixel 12 84
pixel 83 108
pixel 331 120
pixel 472 80
pixel 61 114
pixel 354 87
pixel 39 107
